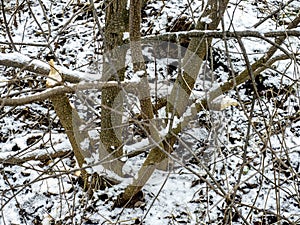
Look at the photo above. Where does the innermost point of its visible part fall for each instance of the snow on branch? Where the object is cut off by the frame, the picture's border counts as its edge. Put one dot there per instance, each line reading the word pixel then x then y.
pixel 18 60
pixel 174 36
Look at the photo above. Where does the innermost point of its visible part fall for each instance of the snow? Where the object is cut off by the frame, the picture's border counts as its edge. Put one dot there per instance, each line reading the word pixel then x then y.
pixel 44 192
pixel 85 144
pixel 206 20
pixel 19 58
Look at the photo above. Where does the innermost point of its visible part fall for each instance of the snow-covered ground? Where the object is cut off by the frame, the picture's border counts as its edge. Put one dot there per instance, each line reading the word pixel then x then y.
pixel 266 188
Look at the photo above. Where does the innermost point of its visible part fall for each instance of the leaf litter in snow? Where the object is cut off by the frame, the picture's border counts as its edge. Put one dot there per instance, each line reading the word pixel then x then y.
pixel 35 192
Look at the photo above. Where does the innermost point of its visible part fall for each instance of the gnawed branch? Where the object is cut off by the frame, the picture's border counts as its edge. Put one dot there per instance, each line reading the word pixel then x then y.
pixel 18 60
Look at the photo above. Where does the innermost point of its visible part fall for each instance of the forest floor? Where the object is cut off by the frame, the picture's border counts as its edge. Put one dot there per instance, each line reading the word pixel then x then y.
pixel 47 191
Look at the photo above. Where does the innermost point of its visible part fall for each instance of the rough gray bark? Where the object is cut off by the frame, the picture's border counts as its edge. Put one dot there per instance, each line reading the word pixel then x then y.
pixel 180 94
pixel 111 98
pixel 192 61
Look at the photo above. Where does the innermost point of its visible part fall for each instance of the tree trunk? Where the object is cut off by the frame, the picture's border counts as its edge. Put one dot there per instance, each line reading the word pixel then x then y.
pixel 112 101
pixel 65 113
pixel 71 122
pixel 146 106
pixel 192 61
pixel 179 95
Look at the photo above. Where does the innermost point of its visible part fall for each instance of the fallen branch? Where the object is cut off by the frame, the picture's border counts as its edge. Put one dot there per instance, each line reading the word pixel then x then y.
pixel 42 158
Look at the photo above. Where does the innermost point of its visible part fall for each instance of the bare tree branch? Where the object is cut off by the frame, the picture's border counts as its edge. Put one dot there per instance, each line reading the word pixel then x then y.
pixel 71 88
pixel 272 14
pixel 18 60
pixel 38 44
pixel 6 25
pixel 174 36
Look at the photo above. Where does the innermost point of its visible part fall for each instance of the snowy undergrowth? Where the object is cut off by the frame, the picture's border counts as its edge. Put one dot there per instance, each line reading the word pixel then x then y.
pixel 267 186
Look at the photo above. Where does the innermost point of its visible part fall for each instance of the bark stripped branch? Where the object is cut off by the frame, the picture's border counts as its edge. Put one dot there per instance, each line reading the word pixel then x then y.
pixel 18 60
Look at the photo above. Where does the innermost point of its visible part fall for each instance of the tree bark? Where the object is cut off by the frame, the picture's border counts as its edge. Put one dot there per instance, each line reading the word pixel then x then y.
pixel 65 113
pixel 154 159
pixel 111 98
pixel 195 54
pixel 180 93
